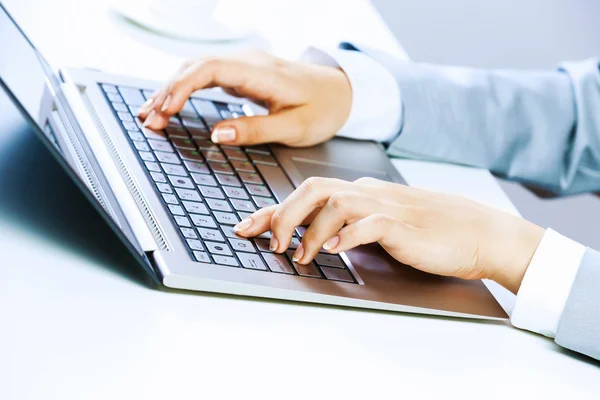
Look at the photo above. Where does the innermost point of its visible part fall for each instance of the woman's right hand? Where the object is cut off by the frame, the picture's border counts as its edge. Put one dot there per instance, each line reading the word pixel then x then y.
pixel 307 103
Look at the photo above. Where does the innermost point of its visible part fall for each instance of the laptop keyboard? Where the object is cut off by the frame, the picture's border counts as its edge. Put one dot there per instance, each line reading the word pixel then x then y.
pixel 208 188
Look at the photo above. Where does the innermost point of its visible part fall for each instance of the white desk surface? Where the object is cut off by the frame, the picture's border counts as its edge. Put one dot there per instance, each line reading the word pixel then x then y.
pixel 73 328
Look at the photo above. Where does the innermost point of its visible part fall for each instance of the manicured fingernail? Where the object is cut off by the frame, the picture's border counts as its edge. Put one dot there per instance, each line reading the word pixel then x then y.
pixel 149 118
pixel 166 104
pixel 298 254
pixel 331 243
pixel 243 225
pixel 273 243
pixel 225 134
pixel 144 107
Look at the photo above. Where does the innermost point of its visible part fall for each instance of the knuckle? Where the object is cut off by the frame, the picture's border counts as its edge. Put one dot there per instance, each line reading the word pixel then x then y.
pixel 382 221
pixel 339 201
pixel 311 184
pixel 277 219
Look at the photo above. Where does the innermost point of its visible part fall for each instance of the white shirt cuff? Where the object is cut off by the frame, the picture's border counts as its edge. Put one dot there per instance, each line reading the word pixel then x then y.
pixel 376 112
pixel 547 284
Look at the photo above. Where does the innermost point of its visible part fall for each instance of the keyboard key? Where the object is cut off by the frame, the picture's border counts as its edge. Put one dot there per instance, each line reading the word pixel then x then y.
pixel 132 97
pixel 152 166
pixel 262 158
pixel 174 121
pixel 241 245
pixel 200 133
pixel 228 180
pixel 206 144
pixel 182 221
pixel 244 215
pixel 109 88
pixel 164 188
pixel 154 135
pixel 161 146
pixel 141 146
pixel 195 208
pixel 189 233
pixel 294 243
pixel 329 260
pixel 191 155
pixel 125 116
pixel 258 190
pixel 262 244
pixel 121 107
pixel 224 260
pixel 136 136
pixel 265 235
pixel 203 221
pixel 235 154
pixel 218 205
pixel 172 169
pixel 188 110
pixel 183 143
pixel 187 194
pixel 114 97
pixel 170 198
pixel 309 269
pixel 214 156
pixel 235 108
pixel 225 114
pixel 176 210
pixel 202 257
pixel 235 192
pixel 192 123
pixel 211 192
pixel 336 274
pixel 250 177
pixel 195 244
pixel 130 126
pixel 147 93
pixel 278 263
pixel 252 261
pixel 243 205
pixel 223 168
pixel 226 218
pixel 207 110
pixel 218 248
pixel 146 156
pixel 176 132
pixel 211 234
pixel 158 177
pixel 263 201
pixel 205 180
pixel 194 166
pixel 242 166
pixel 229 232
pixel 167 158
pixel 181 181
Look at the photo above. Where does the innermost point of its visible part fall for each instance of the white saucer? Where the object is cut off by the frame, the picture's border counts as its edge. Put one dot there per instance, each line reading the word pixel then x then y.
pixel 209 30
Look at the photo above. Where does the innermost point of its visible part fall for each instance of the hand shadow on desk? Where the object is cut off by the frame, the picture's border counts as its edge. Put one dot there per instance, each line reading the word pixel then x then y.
pixel 37 195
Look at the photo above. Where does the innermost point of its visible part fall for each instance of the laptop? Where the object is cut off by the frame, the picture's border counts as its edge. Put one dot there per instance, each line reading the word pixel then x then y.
pixel 173 196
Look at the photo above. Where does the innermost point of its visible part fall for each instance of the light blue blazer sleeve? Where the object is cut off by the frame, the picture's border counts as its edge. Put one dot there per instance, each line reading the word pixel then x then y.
pixel 537 127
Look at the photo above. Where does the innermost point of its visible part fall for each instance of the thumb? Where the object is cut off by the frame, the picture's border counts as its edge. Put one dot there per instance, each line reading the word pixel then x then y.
pixel 277 127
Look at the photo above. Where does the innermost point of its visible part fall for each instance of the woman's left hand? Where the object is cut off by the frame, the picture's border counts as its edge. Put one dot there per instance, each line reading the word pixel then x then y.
pixel 436 233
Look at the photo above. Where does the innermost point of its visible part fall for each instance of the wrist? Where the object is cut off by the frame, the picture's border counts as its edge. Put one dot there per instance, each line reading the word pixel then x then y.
pixel 515 249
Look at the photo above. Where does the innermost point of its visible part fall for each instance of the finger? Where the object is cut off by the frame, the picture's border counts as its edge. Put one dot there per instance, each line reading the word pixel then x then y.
pixel 276 127
pixel 387 230
pixel 342 208
pixel 260 222
pixel 313 193
pixel 233 74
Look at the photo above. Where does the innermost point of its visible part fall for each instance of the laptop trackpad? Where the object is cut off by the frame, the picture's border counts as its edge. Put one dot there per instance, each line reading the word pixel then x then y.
pixel 310 168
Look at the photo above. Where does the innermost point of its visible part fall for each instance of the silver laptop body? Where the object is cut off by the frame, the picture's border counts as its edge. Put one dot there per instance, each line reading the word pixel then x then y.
pixel 173 196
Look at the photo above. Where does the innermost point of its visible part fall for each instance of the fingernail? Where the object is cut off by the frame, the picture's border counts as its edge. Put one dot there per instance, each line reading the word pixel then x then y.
pixel 298 254
pixel 243 225
pixel 221 135
pixel 149 118
pixel 166 104
pixel 331 243
pixel 273 243
pixel 146 105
